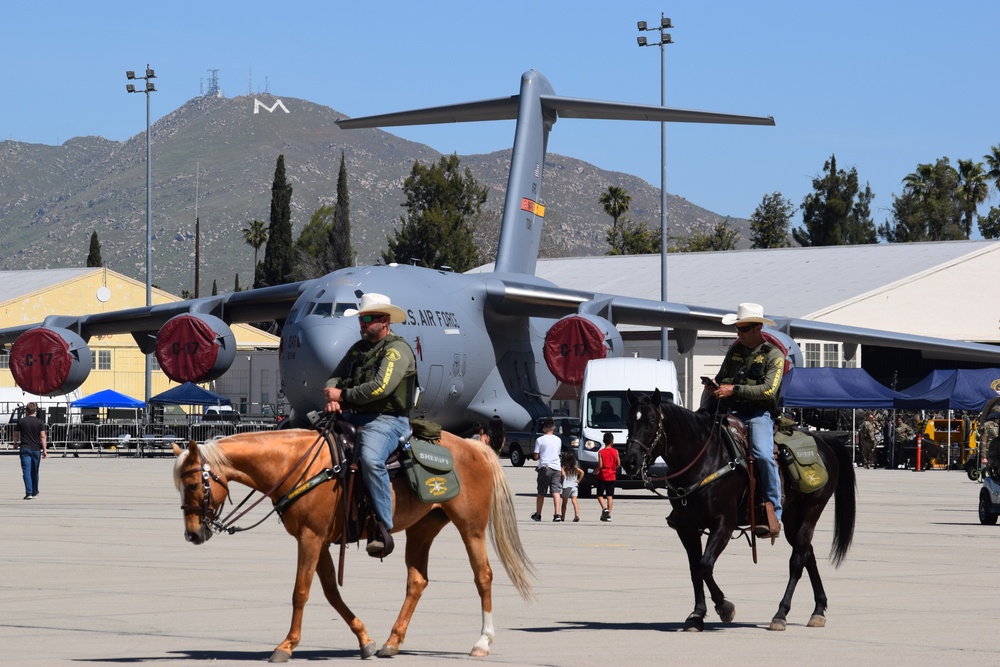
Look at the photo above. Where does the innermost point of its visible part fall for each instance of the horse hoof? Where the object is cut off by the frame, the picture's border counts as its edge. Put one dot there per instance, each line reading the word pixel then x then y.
pixel 280 656
pixel 479 652
pixel 726 611
pixel 816 621
pixel 694 624
pixel 777 624
pixel 368 650
pixel 387 651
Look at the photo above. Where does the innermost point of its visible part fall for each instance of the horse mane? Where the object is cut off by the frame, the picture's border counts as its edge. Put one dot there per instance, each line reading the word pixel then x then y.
pixel 210 453
pixel 686 423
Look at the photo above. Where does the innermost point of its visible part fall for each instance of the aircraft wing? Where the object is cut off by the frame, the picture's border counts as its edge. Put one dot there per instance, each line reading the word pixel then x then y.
pixel 256 305
pixel 506 108
pixel 513 297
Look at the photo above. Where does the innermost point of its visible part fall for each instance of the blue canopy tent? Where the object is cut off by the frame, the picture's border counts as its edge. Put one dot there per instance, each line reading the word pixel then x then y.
pixel 834 388
pixel 189 394
pixel 962 389
pixel 109 398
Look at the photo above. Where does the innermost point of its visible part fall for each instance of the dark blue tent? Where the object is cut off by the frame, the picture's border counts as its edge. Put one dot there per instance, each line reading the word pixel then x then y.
pixel 189 394
pixel 109 398
pixel 962 389
pixel 834 388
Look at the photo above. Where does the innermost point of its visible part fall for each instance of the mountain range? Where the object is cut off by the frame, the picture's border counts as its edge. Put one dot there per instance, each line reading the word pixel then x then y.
pixel 217 155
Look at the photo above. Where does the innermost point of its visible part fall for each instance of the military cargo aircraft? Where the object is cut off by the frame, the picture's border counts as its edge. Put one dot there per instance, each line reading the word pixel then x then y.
pixel 487 344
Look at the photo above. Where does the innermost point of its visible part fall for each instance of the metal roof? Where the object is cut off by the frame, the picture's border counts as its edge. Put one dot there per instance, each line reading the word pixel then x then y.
pixel 17 284
pixel 794 282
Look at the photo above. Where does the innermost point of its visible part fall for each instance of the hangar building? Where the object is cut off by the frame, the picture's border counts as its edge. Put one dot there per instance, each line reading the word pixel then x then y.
pixel 30 296
pixel 941 289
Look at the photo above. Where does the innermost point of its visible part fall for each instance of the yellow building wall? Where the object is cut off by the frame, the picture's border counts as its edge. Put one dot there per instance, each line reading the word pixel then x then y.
pixel 79 296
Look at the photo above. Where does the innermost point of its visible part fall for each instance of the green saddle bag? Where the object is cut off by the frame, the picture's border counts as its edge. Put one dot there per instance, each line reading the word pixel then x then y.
pixel 800 457
pixel 430 471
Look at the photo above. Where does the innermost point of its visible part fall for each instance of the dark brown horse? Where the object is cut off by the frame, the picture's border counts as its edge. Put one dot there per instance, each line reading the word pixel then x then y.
pixel 277 462
pixel 706 489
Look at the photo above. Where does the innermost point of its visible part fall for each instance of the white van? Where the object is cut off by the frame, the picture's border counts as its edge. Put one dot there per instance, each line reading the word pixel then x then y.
pixel 604 407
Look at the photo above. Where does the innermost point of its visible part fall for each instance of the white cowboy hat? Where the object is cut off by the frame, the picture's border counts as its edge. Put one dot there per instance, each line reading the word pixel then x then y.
pixel 747 313
pixel 377 303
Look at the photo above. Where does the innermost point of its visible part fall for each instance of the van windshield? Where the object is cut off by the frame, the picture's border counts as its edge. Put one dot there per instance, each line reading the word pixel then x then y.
pixel 606 409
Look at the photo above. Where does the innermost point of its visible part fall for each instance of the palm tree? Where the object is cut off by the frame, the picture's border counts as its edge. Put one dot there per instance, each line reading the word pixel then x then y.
pixel 973 189
pixel 616 201
pixel 993 165
pixel 255 236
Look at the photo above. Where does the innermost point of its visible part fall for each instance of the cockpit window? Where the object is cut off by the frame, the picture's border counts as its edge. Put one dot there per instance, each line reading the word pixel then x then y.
pixel 342 306
pixel 328 309
pixel 321 309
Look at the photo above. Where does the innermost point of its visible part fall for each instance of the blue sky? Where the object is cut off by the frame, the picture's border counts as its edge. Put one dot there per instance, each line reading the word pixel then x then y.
pixel 883 85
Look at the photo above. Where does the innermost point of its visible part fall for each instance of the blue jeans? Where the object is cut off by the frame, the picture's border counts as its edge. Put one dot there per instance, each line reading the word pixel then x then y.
pixel 30 460
pixel 762 441
pixel 377 440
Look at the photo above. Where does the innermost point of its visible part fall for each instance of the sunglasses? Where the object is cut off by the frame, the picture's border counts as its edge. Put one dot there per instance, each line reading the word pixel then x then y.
pixel 746 327
pixel 368 319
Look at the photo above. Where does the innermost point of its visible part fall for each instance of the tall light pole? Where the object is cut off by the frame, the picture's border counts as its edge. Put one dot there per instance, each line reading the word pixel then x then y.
pixel 664 40
pixel 149 88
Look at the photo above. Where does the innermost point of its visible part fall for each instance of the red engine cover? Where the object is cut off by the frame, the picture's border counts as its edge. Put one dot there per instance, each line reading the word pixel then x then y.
pixel 194 348
pixel 570 344
pixel 49 361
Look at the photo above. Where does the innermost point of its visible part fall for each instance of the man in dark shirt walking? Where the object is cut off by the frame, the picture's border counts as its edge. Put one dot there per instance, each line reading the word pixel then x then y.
pixel 29 433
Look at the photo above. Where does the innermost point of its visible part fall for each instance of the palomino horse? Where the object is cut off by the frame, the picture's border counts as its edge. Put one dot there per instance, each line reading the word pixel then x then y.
pixel 277 462
pixel 706 488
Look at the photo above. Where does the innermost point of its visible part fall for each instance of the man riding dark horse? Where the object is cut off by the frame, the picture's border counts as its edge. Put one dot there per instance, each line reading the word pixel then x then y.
pixel 747 385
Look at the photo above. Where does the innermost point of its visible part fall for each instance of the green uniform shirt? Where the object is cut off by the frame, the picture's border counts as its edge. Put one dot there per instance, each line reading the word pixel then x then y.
pixel 756 372
pixel 377 377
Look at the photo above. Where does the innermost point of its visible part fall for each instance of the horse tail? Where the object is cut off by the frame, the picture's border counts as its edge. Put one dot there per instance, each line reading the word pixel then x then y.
pixel 502 528
pixel 845 503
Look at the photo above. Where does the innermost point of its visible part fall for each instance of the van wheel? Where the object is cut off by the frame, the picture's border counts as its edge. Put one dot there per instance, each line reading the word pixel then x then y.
pixel 516 457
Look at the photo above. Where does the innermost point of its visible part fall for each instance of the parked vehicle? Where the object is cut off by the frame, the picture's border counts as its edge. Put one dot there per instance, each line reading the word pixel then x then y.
pixel 220 413
pixel 604 408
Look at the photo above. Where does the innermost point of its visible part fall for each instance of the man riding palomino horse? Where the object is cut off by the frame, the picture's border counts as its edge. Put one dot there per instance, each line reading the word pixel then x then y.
pixel 748 383
pixel 376 382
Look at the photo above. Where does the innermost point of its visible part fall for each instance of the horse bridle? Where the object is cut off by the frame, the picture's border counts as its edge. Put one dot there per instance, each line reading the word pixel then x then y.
pixel 207 511
pixel 650 450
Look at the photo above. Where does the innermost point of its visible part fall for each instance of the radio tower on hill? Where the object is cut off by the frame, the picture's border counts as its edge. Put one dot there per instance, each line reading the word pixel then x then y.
pixel 213 84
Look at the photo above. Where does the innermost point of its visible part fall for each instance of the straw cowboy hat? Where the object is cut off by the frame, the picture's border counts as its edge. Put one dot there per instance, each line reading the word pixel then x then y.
pixel 747 313
pixel 373 303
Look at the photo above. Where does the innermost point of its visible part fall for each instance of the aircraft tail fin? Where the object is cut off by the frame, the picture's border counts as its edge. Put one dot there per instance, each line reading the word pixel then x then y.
pixel 536 110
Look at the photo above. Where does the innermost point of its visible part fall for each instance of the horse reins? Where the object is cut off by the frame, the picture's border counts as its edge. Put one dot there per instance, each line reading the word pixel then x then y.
pixel 674 492
pixel 209 514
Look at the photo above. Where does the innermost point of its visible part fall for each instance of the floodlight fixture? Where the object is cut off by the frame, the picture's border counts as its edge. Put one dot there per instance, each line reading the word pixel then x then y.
pixel 641 40
pixel 150 87
pixel 641 25
pixel 129 87
pixel 152 75
pixel 130 74
pixel 665 23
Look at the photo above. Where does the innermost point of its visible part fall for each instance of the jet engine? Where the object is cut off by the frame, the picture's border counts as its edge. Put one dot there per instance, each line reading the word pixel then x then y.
pixel 576 339
pixel 195 347
pixel 49 361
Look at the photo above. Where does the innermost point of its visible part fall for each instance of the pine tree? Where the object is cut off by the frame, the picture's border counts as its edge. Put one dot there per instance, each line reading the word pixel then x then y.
pixel 94 258
pixel 441 202
pixel 340 251
pixel 236 285
pixel 769 223
pixel 215 288
pixel 830 214
pixel 279 256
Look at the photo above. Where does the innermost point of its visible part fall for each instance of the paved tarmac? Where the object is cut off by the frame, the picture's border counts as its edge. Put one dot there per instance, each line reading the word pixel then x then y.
pixel 95 571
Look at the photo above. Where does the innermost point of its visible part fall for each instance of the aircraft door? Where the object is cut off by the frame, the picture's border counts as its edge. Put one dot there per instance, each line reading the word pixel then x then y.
pixel 431 387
